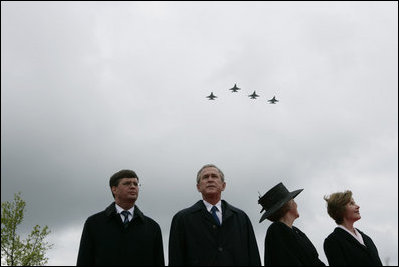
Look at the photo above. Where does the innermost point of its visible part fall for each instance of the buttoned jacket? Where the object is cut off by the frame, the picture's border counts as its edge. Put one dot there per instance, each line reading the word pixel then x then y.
pixel 107 241
pixel 289 246
pixel 196 239
pixel 342 249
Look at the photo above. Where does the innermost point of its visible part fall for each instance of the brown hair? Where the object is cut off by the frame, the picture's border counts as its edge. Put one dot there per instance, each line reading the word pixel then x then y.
pixel 336 203
pixel 116 177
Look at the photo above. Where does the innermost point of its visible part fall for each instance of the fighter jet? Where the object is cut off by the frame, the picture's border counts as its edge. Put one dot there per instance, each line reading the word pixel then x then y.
pixel 273 100
pixel 234 89
pixel 253 95
pixel 211 96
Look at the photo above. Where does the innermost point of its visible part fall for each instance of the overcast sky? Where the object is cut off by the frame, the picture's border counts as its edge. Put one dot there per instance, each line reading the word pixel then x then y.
pixel 88 89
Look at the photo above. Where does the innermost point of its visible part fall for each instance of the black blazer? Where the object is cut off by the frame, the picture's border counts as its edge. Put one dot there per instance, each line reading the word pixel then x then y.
pixel 285 246
pixel 106 241
pixel 342 249
pixel 196 240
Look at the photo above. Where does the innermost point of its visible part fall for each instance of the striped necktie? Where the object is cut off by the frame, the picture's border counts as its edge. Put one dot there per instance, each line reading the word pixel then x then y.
pixel 125 213
pixel 213 210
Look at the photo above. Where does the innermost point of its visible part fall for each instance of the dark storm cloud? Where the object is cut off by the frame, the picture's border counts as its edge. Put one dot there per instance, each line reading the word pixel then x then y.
pixel 90 89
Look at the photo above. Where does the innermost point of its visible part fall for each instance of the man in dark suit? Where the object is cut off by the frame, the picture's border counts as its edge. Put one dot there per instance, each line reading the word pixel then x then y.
pixel 212 232
pixel 121 234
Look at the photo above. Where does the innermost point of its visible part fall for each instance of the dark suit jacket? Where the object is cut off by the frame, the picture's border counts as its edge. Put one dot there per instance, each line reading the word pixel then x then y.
pixel 196 240
pixel 105 240
pixel 342 249
pixel 285 246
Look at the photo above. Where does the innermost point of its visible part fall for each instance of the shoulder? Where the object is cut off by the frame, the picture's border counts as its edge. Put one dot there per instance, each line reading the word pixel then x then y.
pixel 96 221
pixel 198 206
pixel 332 234
pixel 96 218
pixel 188 216
pixel 152 224
pixel 279 231
pixel 145 218
pixel 232 208
pixel 336 235
pixel 277 228
pixel 298 231
pixel 102 215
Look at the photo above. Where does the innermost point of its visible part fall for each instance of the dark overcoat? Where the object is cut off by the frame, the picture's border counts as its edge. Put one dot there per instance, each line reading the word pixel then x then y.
pixel 342 249
pixel 285 246
pixel 196 240
pixel 106 241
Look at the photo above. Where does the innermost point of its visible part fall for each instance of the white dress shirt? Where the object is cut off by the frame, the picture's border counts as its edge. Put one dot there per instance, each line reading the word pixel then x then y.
pixel 218 212
pixel 119 210
pixel 358 236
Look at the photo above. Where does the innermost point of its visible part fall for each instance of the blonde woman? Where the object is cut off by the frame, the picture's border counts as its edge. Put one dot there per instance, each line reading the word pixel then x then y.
pixel 348 246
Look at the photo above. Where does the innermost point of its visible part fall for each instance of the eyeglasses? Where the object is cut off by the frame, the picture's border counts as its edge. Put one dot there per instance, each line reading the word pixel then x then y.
pixel 128 184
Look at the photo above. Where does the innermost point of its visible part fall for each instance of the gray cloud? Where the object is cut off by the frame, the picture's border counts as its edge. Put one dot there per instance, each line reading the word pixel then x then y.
pixel 88 89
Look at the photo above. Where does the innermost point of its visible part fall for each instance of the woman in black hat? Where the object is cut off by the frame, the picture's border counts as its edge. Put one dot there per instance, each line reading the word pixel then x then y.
pixel 284 243
pixel 347 245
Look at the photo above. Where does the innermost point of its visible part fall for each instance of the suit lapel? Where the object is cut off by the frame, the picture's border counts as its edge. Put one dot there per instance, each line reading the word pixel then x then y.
pixel 366 240
pixel 205 215
pixel 350 238
pixel 227 210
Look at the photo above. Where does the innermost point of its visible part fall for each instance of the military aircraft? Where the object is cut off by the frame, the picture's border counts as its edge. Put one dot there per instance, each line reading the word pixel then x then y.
pixel 273 100
pixel 211 96
pixel 253 95
pixel 234 89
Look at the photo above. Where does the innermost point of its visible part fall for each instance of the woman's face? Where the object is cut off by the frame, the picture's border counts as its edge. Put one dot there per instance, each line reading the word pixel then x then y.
pixel 352 211
pixel 293 208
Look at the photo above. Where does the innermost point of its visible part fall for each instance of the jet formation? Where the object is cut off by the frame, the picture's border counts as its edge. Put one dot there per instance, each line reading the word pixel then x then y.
pixel 235 89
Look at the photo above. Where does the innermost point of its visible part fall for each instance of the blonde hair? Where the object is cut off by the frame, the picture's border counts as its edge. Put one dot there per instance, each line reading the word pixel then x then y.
pixel 336 203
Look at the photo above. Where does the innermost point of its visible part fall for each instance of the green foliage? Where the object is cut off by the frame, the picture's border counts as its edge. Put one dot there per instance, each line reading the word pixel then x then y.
pixel 28 252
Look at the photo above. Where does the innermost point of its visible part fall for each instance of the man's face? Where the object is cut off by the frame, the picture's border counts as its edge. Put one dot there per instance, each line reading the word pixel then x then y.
pixel 127 190
pixel 210 182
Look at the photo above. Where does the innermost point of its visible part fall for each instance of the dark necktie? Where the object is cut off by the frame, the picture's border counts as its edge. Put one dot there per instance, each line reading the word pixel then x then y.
pixel 125 213
pixel 213 210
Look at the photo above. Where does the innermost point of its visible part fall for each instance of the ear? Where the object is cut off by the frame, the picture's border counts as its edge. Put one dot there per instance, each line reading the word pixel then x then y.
pixel 198 188
pixel 223 186
pixel 113 189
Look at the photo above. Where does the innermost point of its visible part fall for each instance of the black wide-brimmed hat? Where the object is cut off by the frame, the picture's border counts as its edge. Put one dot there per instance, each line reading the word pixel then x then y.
pixel 275 198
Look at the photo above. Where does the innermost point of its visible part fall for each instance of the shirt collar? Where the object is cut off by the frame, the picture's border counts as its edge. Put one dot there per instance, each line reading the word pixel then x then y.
pixel 357 235
pixel 119 209
pixel 209 205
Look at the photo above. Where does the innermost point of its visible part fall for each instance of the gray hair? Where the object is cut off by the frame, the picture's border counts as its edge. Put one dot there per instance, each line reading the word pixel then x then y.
pixel 209 166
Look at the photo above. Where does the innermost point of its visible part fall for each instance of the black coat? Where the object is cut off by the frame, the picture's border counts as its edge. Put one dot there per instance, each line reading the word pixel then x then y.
pixel 196 240
pixel 105 240
pixel 342 249
pixel 285 246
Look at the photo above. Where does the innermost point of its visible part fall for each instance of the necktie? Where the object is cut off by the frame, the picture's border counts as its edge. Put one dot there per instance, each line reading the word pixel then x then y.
pixel 213 210
pixel 125 213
